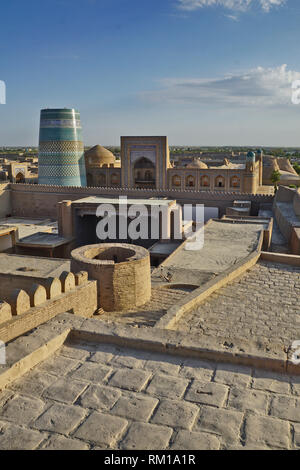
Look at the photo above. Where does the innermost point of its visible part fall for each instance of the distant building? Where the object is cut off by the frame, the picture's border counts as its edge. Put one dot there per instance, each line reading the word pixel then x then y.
pixel 145 163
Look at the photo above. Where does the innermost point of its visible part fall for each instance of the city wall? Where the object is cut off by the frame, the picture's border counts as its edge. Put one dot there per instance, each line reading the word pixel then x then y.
pixel 41 200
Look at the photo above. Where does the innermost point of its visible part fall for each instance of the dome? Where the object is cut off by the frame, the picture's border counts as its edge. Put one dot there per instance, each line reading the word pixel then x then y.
pixel 250 156
pixel 98 156
pixel 197 163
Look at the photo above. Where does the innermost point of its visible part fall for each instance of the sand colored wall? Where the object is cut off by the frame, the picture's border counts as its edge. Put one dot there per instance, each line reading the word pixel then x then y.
pixel 42 200
pixel 285 194
pixel 9 282
pixel 286 208
pixel 52 296
pixel 296 203
pixel 295 241
pixel 6 242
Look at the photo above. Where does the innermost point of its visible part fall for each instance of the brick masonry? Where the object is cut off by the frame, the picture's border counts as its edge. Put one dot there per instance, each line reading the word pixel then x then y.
pixel 261 307
pixel 122 272
pixel 126 399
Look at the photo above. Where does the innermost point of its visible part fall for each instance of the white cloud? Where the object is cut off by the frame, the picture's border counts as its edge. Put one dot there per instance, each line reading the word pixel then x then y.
pixel 232 17
pixel 238 5
pixel 259 87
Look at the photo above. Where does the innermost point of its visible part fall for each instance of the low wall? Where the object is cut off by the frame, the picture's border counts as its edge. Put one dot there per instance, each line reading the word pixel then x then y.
pixel 286 208
pixel 285 194
pixel 28 309
pixel 292 260
pixel 296 203
pixel 194 299
pixel 9 282
pixel 41 200
pixel 295 240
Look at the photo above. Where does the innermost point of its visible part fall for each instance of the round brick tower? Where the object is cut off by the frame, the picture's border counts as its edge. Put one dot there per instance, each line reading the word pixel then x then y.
pixel 122 272
pixel 61 151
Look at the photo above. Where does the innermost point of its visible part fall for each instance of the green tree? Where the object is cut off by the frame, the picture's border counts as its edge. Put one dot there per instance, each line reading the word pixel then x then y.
pixel 275 178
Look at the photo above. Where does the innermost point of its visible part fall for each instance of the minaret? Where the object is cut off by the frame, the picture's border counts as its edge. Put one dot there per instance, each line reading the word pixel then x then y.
pixel 61 150
pixel 250 174
pixel 260 155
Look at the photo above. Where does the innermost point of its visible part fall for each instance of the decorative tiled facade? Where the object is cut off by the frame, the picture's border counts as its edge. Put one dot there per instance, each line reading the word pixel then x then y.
pixel 145 164
pixel 61 150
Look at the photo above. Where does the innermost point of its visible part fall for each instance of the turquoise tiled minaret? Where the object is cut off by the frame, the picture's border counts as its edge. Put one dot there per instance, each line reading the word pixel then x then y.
pixel 61 151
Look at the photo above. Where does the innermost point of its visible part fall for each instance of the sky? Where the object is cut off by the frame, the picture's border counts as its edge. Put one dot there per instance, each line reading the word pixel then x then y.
pixel 202 72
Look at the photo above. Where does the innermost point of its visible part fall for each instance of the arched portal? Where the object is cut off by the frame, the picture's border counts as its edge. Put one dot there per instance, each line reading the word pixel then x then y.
pixel 220 182
pixel 144 173
pixel 20 178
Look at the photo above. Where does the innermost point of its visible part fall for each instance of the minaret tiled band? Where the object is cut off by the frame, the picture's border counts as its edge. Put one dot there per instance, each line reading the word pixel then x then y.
pixel 61 150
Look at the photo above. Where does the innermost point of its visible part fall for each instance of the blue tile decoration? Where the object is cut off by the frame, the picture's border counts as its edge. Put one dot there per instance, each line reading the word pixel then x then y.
pixel 61 149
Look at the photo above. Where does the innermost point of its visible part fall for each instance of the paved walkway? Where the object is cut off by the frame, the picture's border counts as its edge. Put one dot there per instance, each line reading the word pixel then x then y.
pixel 97 397
pixel 261 307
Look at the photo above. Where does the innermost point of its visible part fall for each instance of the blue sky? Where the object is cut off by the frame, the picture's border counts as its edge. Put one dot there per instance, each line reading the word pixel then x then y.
pixel 203 72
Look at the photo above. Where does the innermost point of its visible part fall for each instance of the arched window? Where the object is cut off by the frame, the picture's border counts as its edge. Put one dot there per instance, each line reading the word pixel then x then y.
pixel 205 181
pixel 176 180
pixel 190 181
pixel 220 182
pixel 235 182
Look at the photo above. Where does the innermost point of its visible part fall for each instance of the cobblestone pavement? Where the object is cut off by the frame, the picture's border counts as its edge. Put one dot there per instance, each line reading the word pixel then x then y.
pixel 263 305
pixel 151 312
pixel 99 396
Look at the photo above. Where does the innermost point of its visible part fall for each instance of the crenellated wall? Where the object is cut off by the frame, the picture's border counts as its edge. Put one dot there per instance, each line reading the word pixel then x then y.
pixel 25 303
pixel 41 200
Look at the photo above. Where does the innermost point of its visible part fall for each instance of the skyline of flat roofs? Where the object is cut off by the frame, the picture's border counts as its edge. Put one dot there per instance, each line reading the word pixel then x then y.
pixel 204 146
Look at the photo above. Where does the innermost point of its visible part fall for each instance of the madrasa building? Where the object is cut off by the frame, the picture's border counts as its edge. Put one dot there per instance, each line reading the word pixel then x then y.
pixel 145 164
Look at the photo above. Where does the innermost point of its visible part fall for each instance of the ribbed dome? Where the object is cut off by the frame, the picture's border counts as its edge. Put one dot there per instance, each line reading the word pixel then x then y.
pixel 197 163
pixel 250 156
pixel 98 156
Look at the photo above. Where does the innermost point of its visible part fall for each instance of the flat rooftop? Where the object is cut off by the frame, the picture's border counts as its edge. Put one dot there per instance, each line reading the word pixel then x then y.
pixel 28 226
pixel 32 266
pixel 115 200
pixel 162 248
pixel 225 244
pixel 4 230
pixel 43 240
